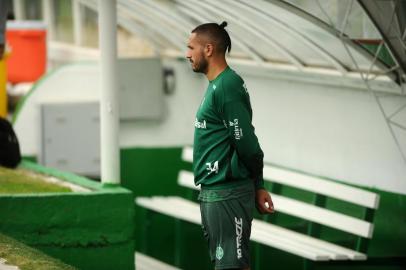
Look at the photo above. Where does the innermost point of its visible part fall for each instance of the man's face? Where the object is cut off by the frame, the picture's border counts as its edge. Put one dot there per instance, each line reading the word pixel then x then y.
pixel 195 54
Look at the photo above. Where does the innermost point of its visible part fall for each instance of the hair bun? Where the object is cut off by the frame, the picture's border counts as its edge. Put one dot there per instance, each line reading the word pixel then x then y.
pixel 223 24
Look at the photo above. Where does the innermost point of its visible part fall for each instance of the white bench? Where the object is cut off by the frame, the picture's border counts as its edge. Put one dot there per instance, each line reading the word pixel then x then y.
pixel 306 246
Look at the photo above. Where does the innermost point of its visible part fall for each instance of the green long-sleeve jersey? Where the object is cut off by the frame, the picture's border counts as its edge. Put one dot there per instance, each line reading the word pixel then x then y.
pixel 226 151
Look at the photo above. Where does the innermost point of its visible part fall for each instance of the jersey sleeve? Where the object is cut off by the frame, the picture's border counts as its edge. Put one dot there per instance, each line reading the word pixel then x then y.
pixel 237 113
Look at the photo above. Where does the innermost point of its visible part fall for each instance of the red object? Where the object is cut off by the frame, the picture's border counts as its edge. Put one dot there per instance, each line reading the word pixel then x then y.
pixel 27 61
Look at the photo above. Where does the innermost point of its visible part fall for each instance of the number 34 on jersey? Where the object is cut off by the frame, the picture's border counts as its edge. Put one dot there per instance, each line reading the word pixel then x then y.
pixel 212 167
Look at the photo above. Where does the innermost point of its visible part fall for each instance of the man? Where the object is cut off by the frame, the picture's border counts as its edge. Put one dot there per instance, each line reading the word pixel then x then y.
pixel 227 158
pixel 3 19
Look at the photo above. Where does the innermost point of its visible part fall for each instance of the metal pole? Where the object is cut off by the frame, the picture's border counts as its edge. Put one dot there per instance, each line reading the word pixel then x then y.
pixel 77 22
pixel 48 18
pixel 109 121
pixel 19 9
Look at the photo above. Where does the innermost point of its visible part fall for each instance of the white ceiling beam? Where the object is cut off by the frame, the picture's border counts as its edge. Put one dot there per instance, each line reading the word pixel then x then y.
pixel 260 9
pixel 136 29
pixel 130 25
pixel 169 13
pixel 165 17
pixel 154 23
pixel 203 17
pixel 234 15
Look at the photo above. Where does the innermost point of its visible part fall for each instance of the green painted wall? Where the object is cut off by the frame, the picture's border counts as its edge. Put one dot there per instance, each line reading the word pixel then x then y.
pixel 112 256
pixel 92 230
pixel 153 171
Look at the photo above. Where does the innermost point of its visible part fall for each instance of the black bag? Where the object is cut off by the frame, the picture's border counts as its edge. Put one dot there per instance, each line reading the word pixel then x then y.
pixel 10 155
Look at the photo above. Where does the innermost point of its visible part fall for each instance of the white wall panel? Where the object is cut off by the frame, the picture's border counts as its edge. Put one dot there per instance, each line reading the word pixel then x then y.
pixel 331 131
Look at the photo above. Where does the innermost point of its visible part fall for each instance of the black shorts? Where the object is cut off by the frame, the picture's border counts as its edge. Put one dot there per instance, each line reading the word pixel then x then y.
pixel 227 227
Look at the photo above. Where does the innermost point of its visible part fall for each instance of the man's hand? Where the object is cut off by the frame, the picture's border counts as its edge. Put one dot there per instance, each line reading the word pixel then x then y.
pixel 2 48
pixel 264 202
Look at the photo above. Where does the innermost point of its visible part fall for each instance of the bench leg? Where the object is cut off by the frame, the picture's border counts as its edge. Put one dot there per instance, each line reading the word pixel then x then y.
pixel 308 264
pixel 143 246
pixel 178 243
pixel 362 243
pixel 258 256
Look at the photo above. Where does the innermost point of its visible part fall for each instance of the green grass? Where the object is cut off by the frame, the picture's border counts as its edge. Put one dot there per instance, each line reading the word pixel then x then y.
pixel 14 181
pixel 27 258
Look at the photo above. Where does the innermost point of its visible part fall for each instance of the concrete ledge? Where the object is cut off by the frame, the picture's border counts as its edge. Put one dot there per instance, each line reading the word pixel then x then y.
pixel 89 230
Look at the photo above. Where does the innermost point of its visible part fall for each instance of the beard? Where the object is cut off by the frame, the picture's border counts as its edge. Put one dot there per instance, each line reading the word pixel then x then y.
pixel 201 66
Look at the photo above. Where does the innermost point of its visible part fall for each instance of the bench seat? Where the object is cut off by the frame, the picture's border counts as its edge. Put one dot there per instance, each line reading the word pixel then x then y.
pixel 303 210
pixel 308 246
pixel 262 232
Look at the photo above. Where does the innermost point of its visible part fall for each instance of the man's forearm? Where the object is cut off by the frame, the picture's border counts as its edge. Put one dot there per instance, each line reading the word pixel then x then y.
pixel 255 164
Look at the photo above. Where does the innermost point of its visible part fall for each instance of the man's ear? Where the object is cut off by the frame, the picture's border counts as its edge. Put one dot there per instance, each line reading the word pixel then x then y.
pixel 209 49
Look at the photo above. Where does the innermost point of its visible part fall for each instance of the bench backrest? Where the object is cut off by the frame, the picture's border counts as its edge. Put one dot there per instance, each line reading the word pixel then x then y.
pixel 304 210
